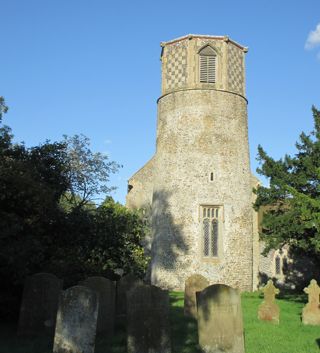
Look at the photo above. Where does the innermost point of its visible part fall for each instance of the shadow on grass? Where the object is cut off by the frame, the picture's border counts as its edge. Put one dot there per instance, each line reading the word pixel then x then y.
pixel 183 330
pixel 297 298
pixel 11 343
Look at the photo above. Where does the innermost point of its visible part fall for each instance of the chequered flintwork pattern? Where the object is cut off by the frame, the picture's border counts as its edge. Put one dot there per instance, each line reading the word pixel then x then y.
pixel 176 70
pixel 235 70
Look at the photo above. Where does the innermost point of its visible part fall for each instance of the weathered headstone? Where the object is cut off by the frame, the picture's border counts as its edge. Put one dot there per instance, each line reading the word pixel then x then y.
pixel 39 304
pixel 125 283
pixel 76 321
pixel 220 326
pixel 195 283
pixel 106 291
pixel 148 323
pixel 269 310
pixel 311 311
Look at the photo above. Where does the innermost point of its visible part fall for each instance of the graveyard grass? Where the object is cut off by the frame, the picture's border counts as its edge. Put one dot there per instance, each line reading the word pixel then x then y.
pixel 263 337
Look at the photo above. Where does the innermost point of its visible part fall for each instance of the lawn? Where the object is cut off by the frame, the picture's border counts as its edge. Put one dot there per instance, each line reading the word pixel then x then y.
pixel 290 336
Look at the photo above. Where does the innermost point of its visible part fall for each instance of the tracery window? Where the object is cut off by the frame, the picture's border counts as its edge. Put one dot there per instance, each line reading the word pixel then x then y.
pixel 211 225
pixel 280 263
pixel 207 65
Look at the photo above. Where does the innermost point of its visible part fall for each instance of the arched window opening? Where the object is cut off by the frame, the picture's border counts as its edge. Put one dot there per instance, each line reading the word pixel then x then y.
pixel 207 65
pixel 210 231
pixel 206 236
pixel 214 237
pixel 278 265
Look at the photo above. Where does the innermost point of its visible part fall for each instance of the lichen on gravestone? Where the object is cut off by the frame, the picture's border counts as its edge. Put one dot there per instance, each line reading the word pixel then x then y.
pixel 220 322
pixel 193 284
pixel 148 320
pixel 311 311
pixel 269 310
pixel 76 321
pixel 39 305
pixel 106 313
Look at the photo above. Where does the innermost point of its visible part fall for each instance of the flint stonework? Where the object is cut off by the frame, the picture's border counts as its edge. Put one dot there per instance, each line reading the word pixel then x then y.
pixel 76 321
pixel 220 325
pixel 311 311
pixel 125 283
pixel 195 283
pixel 106 292
pixel 148 323
pixel 39 305
pixel 269 310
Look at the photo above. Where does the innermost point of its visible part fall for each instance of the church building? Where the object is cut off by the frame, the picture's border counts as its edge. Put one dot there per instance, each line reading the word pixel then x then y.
pixel 197 188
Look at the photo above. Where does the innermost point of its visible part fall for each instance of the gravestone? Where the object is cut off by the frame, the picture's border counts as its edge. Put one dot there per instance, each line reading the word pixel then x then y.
pixel 125 283
pixel 106 292
pixel 39 305
pixel 311 311
pixel 76 321
pixel 195 283
pixel 269 310
pixel 220 326
pixel 148 323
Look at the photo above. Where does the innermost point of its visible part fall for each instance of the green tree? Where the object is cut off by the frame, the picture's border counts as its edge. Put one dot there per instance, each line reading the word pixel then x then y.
pixel 89 172
pixel 72 239
pixel 3 107
pixel 117 240
pixel 292 199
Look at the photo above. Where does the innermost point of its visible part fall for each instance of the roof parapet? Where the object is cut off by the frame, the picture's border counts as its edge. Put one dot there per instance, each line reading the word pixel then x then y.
pixel 191 36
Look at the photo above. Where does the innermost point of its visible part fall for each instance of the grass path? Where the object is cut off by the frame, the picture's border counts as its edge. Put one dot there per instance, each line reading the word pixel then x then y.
pixel 290 336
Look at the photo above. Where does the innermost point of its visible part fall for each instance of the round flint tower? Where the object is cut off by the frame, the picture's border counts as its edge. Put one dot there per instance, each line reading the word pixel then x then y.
pixel 201 203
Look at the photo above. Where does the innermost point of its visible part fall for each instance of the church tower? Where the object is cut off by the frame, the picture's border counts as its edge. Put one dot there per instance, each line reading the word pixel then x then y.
pixel 198 184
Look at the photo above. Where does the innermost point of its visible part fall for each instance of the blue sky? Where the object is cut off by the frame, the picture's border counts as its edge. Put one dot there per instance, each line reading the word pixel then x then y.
pixel 92 67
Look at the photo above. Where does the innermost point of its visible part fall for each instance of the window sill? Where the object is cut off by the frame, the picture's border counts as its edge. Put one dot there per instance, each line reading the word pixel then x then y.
pixel 212 260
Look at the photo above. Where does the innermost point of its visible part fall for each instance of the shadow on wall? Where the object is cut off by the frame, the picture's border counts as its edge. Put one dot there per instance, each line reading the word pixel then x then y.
pixel 168 242
pixel 296 273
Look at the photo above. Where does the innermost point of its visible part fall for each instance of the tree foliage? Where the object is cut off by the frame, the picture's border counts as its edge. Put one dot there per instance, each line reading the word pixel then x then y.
pixel 3 107
pixel 292 200
pixel 89 172
pixel 72 239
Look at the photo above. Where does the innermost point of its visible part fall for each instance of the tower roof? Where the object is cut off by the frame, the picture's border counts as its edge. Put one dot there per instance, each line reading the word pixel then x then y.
pixel 190 36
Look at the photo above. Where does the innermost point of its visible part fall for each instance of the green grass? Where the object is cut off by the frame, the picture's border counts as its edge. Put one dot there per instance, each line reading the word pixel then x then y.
pixel 290 336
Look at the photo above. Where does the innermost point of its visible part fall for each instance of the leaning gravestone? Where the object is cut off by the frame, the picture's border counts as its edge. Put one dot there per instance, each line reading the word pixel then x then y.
pixel 106 292
pixel 269 310
pixel 220 326
pixel 76 321
pixel 125 283
pixel 148 323
pixel 195 283
pixel 311 312
pixel 39 304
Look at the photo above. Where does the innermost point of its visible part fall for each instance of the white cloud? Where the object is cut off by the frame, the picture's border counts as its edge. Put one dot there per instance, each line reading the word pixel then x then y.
pixel 313 39
pixel 107 141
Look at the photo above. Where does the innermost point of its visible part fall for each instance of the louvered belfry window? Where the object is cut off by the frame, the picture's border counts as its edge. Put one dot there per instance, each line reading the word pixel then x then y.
pixel 207 65
pixel 210 230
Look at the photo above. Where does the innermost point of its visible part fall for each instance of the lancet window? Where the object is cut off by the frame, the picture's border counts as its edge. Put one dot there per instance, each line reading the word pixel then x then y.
pixel 207 65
